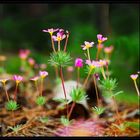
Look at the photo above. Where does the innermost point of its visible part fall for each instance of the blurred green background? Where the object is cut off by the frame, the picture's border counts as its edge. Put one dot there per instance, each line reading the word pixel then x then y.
pixel 21 27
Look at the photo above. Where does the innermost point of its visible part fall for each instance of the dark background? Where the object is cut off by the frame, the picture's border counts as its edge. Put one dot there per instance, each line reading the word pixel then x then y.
pixel 21 27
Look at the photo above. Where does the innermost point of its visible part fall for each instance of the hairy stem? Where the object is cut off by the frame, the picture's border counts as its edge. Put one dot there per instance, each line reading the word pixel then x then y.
pixel 63 86
pixel 71 109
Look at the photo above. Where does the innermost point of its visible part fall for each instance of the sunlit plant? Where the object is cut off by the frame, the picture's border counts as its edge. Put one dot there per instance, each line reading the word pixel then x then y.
pixel 109 87
pixel 86 46
pixel 4 85
pixel 101 39
pixel 40 99
pixel 77 95
pixel 65 121
pixel 15 128
pixel 134 78
pixel 17 79
pixel 98 110
pixel 78 65
pixel 12 105
pixel 61 59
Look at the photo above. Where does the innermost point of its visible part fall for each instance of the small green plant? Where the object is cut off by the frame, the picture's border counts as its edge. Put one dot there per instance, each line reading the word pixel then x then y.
pixel 78 95
pixel 15 128
pixel 44 119
pixel 40 100
pixel 109 84
pixel 98 110
pixel 60 58
pixel 65 121
pixel 109 87
pixel 12 105
pixel 121 127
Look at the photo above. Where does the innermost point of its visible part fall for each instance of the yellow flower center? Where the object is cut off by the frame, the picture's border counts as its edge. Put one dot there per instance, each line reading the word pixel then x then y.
pixel 87 46
pixel 92 67
pixel 99 41
pixel 51 33
pixel 58 38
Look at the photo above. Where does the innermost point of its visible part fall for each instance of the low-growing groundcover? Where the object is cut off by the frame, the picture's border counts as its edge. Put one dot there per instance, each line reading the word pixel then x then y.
pixel 28 106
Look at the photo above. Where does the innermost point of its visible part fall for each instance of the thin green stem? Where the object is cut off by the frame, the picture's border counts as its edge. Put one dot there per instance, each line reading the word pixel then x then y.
pixel 85 82
pixel 53 44
pixel 56 71
pixel 6 91
pixel 37 87
pixel 97 95
pixel 136 88
pixel 103 73
pixel 58 45
pixel 107 71
pixel 66 42
pixel 116 108
pixel 78 76
pixel 88 54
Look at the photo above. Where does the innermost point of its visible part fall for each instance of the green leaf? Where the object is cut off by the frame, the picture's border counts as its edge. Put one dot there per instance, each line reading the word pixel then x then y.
pixel 43 119
pixel 98 110
pixel 15 128
pixel 134 125
pixel 109 84
pixel 40 100
pixel 12 105
pixel 119 92
pixel 65 121
pixel 78 95
pixel 60 58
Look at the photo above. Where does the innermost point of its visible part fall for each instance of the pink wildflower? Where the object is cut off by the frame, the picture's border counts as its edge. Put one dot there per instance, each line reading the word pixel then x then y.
pixel 87 45
pixel 108 49
pixel 50 31
pixel 134 76
pixel 31 61
pixel 17 78
pixel 60 35
pixel 43 74
pixel 23 54
pixel 92 63
pixel 35 78
pixel 101 38
pixel 78 62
